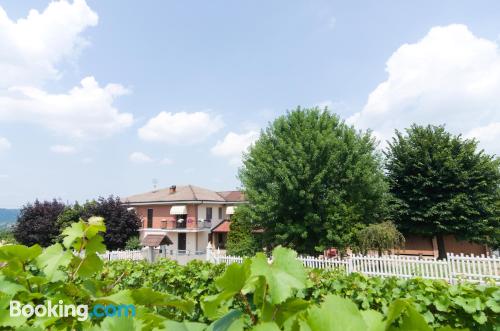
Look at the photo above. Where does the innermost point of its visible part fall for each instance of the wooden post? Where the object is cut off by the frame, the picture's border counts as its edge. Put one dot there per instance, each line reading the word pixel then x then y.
pixel 435 249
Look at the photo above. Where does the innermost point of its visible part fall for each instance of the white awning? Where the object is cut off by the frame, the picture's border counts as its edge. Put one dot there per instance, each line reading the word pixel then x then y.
pixel 230 210
pixel 178 210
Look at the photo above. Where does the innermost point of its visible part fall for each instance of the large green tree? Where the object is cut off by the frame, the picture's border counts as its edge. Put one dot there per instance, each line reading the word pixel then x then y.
pixel 242 239
pixel 443 184
pixel 312 181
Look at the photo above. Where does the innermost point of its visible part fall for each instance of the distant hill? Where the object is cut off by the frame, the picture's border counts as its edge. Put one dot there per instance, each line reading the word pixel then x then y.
pixel 8 216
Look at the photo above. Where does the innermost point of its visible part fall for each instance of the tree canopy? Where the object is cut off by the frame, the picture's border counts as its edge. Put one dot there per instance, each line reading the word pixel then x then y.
pixel 121 224
pixel 241 241
pixel 37 223
pixel 443 184
pixel 381 237
pixel 312 181
pixel 43 222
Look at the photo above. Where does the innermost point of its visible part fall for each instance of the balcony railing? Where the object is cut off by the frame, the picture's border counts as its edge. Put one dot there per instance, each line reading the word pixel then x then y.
pixel 189 224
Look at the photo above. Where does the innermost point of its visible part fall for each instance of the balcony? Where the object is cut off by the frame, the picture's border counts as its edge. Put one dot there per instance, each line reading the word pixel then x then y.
pixel 189 224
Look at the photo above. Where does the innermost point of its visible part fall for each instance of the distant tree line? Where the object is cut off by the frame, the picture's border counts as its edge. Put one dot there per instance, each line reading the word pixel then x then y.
pixel 314 182
pixel 42 222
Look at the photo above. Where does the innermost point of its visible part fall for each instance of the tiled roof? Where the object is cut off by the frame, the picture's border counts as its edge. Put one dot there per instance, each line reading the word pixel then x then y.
pixel 156 240
pixel 232 195
pixel 184 193
pixel 223 227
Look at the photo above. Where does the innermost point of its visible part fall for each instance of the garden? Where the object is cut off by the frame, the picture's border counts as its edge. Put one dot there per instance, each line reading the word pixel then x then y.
pixel 254 295
pixel 312 183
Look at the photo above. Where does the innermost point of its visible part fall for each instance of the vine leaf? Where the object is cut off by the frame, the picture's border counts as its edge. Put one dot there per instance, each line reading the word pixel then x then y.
pixel 73 234
pixel 184 326
pixel 269 326
pixel 232 321
pixel 50 261
pixel 230 283
pixel 284 275
pixel 410 318
pixel 19 252
pixel 88 265
pixel 335 314
pixel 114 323
pixel 374 320
pixel 148 297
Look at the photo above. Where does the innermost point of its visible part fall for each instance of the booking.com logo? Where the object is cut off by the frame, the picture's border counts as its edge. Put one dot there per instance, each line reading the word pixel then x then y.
pixel 65 310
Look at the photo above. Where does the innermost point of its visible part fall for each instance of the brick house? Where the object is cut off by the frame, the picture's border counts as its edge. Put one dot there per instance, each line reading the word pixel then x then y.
pixel 184 217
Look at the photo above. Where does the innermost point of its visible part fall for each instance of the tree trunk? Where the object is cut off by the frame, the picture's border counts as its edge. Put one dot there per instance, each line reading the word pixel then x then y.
pixel 441 247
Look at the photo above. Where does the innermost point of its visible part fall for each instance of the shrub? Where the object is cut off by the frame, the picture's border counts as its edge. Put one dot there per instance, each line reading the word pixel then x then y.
pixel 133 243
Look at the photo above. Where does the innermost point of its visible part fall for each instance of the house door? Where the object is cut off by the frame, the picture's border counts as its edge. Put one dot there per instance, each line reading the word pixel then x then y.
pixel 181 241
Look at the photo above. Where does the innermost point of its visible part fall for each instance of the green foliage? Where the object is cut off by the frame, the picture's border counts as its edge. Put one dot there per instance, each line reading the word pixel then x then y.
pixel 70 215
pixel 133 243
pixel 68 272
pixel 442 184
pixel 7 235
pixel 43 222
pixel 380 237
pixel 311 181
pixel 465 305
pixel 121 224
pixel 254 295
pixel 192 281
pixel 241 240
pixel 263 295
pixel 206 284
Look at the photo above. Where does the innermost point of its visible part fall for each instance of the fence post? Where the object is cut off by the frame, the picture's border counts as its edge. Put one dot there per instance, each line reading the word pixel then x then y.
pixel 449 262
pixel 151 254
pixel 209 252
pixel 349 265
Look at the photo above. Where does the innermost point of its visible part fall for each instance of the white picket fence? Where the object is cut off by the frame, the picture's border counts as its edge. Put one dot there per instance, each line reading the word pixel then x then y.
pixel 123 255
pixel 455 268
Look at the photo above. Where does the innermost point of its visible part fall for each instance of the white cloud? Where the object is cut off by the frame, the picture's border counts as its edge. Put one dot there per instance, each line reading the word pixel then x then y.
pixel 166 161
pixel 449 77
pixel 181 127
pixel 31 47
pixel 233 145
pixel 87 160
pixel 139 157
pixel 63 149
pixel 4 176
pixel 4 144
pixel 488 136
pixel 85 111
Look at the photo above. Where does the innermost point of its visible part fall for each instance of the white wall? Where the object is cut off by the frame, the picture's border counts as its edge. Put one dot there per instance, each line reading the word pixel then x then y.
pixel 202 212
pixel 202 240
pixel 190 241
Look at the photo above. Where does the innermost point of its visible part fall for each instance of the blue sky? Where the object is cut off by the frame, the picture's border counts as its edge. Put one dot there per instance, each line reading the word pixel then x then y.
pixel 102 97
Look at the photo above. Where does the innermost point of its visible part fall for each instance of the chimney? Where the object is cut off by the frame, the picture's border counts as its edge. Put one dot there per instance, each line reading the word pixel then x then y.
pixel 172 189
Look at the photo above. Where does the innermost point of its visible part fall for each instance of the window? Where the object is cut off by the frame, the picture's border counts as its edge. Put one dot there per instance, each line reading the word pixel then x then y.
pixel 220 213
pixel 150 218
pixel 180 221
pixel 181 242
pixel 209 213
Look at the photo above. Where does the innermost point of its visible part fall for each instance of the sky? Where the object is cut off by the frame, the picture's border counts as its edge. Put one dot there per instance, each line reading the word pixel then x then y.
pixel 111 97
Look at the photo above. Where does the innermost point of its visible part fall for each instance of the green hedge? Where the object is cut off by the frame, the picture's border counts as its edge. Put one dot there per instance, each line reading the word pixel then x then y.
pixel 476 307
